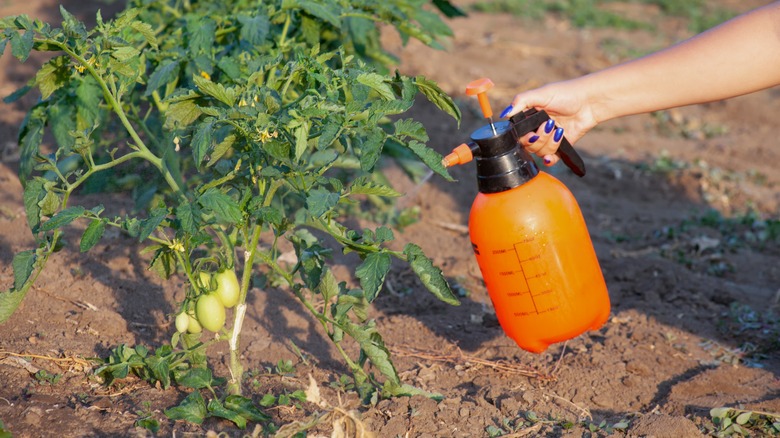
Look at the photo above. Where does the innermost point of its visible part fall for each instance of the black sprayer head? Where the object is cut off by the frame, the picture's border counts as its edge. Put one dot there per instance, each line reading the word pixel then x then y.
pixel 501 164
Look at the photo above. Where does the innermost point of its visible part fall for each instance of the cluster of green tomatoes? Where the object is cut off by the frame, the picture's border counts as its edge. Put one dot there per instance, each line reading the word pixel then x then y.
pixel 222 291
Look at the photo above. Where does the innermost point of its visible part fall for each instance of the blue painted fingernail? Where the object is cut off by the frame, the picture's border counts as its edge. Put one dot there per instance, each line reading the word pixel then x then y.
pixel 506 111
pixel 548 127
pixel 558 134
pixel 533 138
pixel 547 161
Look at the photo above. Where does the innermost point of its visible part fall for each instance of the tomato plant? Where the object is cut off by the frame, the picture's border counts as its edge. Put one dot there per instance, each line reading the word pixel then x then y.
pixel 246 119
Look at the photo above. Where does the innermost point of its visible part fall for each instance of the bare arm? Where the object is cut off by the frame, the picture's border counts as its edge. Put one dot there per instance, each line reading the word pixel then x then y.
pixel 740 56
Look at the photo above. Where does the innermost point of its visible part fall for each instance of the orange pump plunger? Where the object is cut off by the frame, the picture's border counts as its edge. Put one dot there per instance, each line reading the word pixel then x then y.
pixel 480 88
pixel 529 236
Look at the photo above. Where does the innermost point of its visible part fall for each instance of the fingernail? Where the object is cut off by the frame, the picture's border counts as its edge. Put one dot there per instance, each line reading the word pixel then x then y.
pixel 533 138
pixel 506 111
pixel 548 127
pixel 558 134
pixel 547 160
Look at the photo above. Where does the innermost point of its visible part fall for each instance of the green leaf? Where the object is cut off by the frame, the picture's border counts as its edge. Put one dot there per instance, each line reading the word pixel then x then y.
pixel 438 97
pixel 328 286
pixel 320 201
pixel 371 149
pixel 743 417
pixel 182 110
pixel 148 225
pixel 145 29
pixel 166 72
pixel 196 378
pixel 89 96
pixel 254 29
pixel 224 207
pixel 53 75
pixel 246 408
pixel 372 345
pixel 430 275
pixel 202 140
pixel 391 390
pixel 92 234
pixel 364 186
pixel 372 273
pixel 377 83
pixel 448 9
pixel 410 128
pixel 30 137
pixel 63 218
pixel 431 158
pixel 192 409
pixel 23 264
pixel 301 140
pixel 160 368
pixel 201 32
pixel 221 149
pixel 325 13
pixel 217 410
pixel 125 53
pixel 185 212
pixel 216 90
pixel 21 44
pixel 33 192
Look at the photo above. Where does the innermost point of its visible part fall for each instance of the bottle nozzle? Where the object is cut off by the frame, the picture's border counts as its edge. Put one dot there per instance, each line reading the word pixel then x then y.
pixel 460 155
pixel 480 88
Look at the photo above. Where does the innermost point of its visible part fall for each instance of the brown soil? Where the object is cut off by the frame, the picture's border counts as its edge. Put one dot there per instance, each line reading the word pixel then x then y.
pixel 679 342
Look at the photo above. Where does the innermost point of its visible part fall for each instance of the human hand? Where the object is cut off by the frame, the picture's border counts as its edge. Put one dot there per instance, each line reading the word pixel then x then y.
pixel 567 106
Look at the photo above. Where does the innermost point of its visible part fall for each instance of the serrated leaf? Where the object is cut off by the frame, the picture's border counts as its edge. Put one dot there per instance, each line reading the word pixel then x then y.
pixel 224 207
pixel 192 409
pixel 372 345
pixel 371 149
pixel 53 75
pixel 404 390
pixel 328 286
pixel 318 10
pixel 202 140
pixel 372 273
pixel 377 83
pixel 430 157
pixel 216 90
pixel 182 110
pixel 125 53
pixel 165 73
pixel 63 218
pixel 92 235
pixel 430 276
pixel 438 97
pixel 23 264
pixel 30 137
pixel 21 44
pixel 33 192
pixel 246 408
pixel 221 149
pixel 301 140
pixel 364 186
pixel 320 201
pixel 148 225
pixel 145 29
pixel 254 29
pixel 410 128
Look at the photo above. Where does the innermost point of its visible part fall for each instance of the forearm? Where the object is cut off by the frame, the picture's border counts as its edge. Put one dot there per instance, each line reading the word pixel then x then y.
pixel 735 58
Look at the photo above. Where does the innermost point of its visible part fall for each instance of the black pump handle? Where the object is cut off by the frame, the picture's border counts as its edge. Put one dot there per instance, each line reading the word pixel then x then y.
pixel 530 120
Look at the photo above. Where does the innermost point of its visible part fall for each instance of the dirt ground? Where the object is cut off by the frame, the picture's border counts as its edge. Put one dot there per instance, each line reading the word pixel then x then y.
pixel 694 294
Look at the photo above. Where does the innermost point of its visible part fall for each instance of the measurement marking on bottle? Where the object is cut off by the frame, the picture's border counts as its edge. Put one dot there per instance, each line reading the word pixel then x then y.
pixel 530 276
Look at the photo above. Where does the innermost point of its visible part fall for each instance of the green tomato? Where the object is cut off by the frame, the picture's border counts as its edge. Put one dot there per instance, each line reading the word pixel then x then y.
pixel 228 289
pixel 182 322
pixel 205 280
pixel 193 326
pixel 210 312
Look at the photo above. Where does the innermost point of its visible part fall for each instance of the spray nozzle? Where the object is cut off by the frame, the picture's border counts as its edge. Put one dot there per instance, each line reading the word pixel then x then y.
pixel 461 154
pixel 479 88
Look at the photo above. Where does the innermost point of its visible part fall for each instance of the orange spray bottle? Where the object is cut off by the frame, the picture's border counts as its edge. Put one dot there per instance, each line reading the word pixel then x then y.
pixel 529 236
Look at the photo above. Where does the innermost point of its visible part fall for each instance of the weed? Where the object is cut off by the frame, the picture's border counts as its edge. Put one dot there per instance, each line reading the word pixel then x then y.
pixel 43 376
pixel 731 421
pixel 146 418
